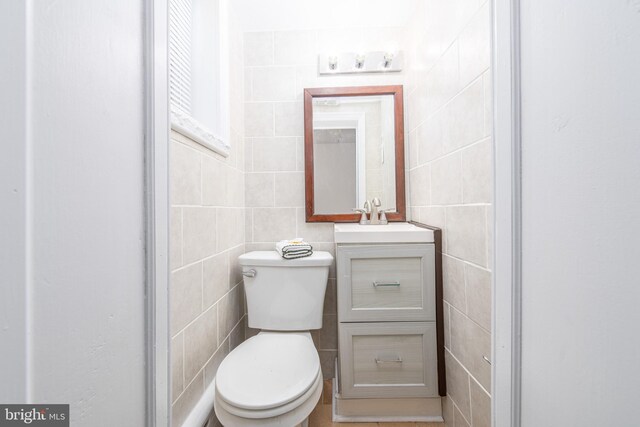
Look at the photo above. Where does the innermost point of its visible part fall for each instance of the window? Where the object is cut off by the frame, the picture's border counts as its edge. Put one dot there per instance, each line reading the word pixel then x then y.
pixel 198 79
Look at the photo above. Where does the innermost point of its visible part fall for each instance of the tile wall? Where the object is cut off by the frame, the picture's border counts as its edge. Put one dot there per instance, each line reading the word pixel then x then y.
pixel 450 182
pixel 206 237
pixel 277 67
pixel 255 197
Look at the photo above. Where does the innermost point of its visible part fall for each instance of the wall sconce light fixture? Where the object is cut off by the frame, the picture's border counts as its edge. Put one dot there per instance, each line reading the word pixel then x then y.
pixel 360 62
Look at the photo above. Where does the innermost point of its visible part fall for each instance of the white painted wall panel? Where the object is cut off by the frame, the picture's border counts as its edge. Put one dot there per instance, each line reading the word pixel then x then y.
pixel 581 212
pixel 87 202
pixel 13 201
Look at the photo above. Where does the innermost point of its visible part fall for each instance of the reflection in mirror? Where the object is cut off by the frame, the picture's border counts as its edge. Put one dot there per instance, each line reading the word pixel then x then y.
pixel 354 152
pixel 335 172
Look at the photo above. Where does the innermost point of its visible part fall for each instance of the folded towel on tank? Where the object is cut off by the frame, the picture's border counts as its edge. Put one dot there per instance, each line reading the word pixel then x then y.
pixel 294 248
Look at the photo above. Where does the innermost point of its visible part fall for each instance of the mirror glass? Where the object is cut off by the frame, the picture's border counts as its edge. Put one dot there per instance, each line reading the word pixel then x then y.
pixel 353 152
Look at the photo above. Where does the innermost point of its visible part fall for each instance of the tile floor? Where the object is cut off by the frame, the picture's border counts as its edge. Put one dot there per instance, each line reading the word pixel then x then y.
pixel 321 415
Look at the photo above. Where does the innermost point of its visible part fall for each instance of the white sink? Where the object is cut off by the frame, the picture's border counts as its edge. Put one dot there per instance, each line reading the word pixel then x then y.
pixel 394 232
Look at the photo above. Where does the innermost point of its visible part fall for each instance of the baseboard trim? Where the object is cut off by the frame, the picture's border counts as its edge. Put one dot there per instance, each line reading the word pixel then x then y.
pixel 200 413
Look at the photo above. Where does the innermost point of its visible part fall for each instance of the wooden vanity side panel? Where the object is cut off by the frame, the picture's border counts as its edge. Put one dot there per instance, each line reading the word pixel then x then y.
pixel 437 234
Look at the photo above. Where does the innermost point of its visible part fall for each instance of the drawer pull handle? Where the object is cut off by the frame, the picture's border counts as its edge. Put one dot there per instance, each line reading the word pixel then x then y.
pixel 382 361
pixel 393 284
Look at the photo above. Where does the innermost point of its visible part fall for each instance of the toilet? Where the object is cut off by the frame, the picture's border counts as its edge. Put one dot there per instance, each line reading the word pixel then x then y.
pixel 275 378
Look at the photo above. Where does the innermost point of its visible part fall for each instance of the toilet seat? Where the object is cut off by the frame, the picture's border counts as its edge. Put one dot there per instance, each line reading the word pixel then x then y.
pixel 268 375
pixel 277 411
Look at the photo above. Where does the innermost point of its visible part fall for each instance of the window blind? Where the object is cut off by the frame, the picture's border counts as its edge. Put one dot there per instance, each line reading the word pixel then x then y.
pixel 180 29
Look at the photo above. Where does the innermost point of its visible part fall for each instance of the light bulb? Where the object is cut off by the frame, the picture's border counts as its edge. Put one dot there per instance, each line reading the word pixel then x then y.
pixel 388 58
pixel 333 62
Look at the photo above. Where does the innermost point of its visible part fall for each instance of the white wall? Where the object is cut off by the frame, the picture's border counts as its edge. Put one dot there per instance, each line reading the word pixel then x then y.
pixel 283 15
pixel 13 205
pixel 79 169
pixel 581 212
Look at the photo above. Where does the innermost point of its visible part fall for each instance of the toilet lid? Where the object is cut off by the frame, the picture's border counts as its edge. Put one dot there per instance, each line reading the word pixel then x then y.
pixel 268 370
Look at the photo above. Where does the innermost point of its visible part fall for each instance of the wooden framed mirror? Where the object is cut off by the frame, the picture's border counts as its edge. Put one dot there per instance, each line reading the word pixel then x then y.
pixel 353 151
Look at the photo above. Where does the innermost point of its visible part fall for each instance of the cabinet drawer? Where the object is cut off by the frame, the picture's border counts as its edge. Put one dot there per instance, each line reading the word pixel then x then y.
pixel 388 359
pixel 386 282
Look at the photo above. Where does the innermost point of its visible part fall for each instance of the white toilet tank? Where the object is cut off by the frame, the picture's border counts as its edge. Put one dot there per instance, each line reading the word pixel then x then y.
pixel 285 295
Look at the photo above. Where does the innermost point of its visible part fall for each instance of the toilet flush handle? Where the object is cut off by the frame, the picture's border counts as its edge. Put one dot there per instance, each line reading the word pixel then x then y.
pixel 249 273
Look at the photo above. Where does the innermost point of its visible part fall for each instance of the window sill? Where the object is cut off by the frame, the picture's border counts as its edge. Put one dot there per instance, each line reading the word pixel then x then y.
pixel 192 129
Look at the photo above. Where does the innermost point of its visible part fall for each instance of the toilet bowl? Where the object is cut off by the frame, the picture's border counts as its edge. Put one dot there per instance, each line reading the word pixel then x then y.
pixel 272 379
pixel 275 378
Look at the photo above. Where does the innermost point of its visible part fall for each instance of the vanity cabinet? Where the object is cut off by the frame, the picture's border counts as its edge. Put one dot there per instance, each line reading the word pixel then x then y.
pixel 387 320
pixel 390 365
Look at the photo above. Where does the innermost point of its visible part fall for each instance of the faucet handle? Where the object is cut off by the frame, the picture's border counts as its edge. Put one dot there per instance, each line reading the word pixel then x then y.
pixel 363 216
pixel 367 206
pixel 383 217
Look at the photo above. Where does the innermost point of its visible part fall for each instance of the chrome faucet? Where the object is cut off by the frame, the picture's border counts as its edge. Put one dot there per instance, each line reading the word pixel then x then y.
pixel 374 218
